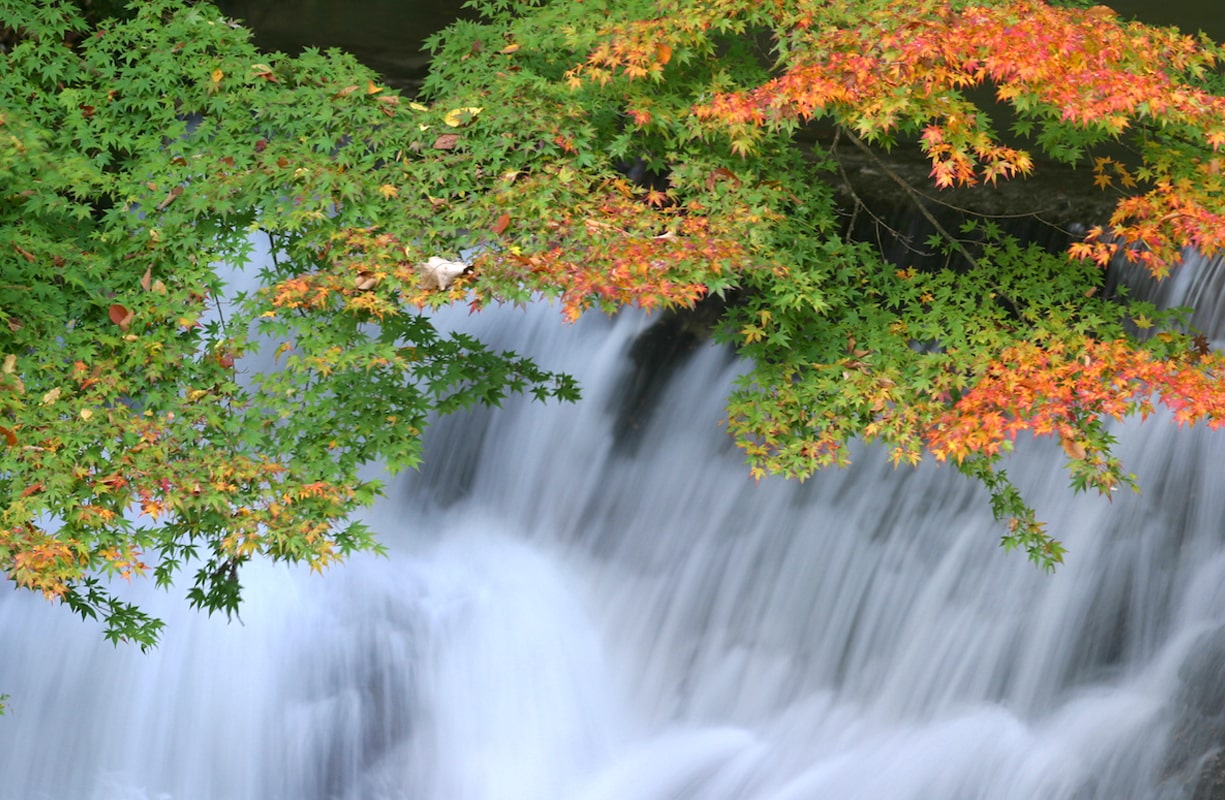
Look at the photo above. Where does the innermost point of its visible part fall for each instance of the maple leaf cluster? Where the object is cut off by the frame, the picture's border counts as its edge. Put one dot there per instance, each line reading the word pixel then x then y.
pixel 902 66
pixel 886 71
pixel 612 254
pixel 1051 390
pixel 651 153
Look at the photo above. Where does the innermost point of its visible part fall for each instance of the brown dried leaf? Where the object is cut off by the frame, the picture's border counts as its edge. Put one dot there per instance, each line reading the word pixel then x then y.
pixel 175 192
pixel 1075 450
pixel 120 316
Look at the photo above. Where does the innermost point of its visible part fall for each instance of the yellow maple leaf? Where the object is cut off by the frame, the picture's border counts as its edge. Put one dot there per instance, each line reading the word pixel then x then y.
pixel 388 191
pixel 152 508
pixel 461 116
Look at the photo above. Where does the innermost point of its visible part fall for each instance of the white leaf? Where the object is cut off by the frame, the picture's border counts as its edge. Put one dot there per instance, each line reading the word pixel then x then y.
pixel 438 273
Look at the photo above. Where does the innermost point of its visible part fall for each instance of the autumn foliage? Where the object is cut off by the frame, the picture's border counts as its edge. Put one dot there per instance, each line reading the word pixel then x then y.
pixel 1075 79
pixel 645 152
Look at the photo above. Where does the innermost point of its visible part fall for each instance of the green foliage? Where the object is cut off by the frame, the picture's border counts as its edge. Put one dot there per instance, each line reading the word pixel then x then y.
pixel 136 154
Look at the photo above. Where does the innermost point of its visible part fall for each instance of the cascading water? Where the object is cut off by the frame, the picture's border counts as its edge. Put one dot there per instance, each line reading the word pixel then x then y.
pixel 595 602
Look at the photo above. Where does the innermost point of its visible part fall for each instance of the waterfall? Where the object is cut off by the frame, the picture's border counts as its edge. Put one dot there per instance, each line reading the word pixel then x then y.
pixel 595 602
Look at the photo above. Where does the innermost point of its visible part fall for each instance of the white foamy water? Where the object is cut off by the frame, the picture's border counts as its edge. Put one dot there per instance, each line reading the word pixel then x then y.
pixel 588 604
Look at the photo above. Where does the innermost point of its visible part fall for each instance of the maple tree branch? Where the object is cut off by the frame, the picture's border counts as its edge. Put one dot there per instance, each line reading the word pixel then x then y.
pixel 861 204
pixel 877 220
pixel 917 199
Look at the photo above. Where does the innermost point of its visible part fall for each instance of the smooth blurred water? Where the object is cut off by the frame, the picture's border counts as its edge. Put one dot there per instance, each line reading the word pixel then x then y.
pixel 595 602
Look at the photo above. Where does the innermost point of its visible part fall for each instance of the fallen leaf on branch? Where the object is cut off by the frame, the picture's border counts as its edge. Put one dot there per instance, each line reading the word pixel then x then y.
pixel 1075 450
pixel 120 316
pixel 457 117
pixel 439 273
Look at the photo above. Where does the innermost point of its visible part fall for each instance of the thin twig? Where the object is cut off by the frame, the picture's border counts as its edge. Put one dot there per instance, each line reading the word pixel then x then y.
pixel 917 199
pixel 860 204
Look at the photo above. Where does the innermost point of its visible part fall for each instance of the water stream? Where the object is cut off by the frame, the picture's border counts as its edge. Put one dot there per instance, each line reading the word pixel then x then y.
pixel 595 602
